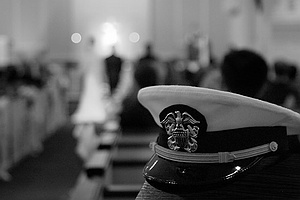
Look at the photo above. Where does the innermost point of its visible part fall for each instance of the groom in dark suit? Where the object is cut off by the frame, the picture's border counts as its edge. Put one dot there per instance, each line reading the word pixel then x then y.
pixel 113 68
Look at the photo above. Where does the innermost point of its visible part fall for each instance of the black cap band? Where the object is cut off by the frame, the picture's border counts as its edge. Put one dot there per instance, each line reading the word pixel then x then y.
pixel 234 139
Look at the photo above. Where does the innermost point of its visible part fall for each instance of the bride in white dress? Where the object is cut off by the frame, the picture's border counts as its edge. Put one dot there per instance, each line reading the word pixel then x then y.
pixel 96 106
pixel 92 102
pixel 92 107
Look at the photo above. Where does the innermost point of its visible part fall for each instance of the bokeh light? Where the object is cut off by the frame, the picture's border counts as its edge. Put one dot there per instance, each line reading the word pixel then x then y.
pixel 76 38
pixel 110 35
pixel 134 37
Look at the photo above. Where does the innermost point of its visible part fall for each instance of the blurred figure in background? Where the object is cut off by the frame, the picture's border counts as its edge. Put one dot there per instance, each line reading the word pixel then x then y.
pixel 193 69
pixel 146 73
pixel 150 60
pixel 244 72
pixel 113 66
pixel 198 58
pixel 212 78
pixel 148 54
pixel 282 90
pixel 91 108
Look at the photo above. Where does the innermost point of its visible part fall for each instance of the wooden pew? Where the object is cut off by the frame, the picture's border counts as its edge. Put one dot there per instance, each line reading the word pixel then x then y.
pixel 98 163
pixel 87 188
pixel 132 154
pixel 92 179
pixel 96 173
pixel 114 150
pixel 108 140
pixel 121 191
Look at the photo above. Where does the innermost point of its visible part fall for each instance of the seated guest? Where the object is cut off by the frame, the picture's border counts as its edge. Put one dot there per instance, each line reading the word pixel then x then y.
pixel 244 72
pixel 279 90
pixel 134 115
pixel 145 74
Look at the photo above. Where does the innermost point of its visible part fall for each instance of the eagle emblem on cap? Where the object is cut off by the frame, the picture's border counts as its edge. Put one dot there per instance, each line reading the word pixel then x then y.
pixel 182 131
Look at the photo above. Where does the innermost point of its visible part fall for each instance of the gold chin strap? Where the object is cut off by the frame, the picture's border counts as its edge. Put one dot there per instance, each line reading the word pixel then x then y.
pixel 220 157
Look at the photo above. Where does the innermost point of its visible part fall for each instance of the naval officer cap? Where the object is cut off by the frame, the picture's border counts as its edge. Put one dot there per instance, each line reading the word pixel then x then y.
pixel 210 136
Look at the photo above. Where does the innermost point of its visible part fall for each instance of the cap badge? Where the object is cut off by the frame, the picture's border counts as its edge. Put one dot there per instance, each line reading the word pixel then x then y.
pixel 181 130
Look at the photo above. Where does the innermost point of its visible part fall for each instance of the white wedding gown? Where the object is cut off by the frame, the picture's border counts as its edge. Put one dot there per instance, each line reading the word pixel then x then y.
pixel 95 106
pixel 93 98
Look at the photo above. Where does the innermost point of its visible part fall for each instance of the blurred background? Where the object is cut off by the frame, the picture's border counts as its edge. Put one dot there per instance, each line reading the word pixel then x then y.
pixel 33 27
pixel 43 70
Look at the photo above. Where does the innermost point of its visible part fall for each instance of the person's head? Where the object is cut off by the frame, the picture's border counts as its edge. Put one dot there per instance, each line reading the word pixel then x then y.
pixel 285 71
pixel 244 72
pixel 280 68
pixel 293 72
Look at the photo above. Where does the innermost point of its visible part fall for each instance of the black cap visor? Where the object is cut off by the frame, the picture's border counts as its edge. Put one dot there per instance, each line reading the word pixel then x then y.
pixel 176 176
